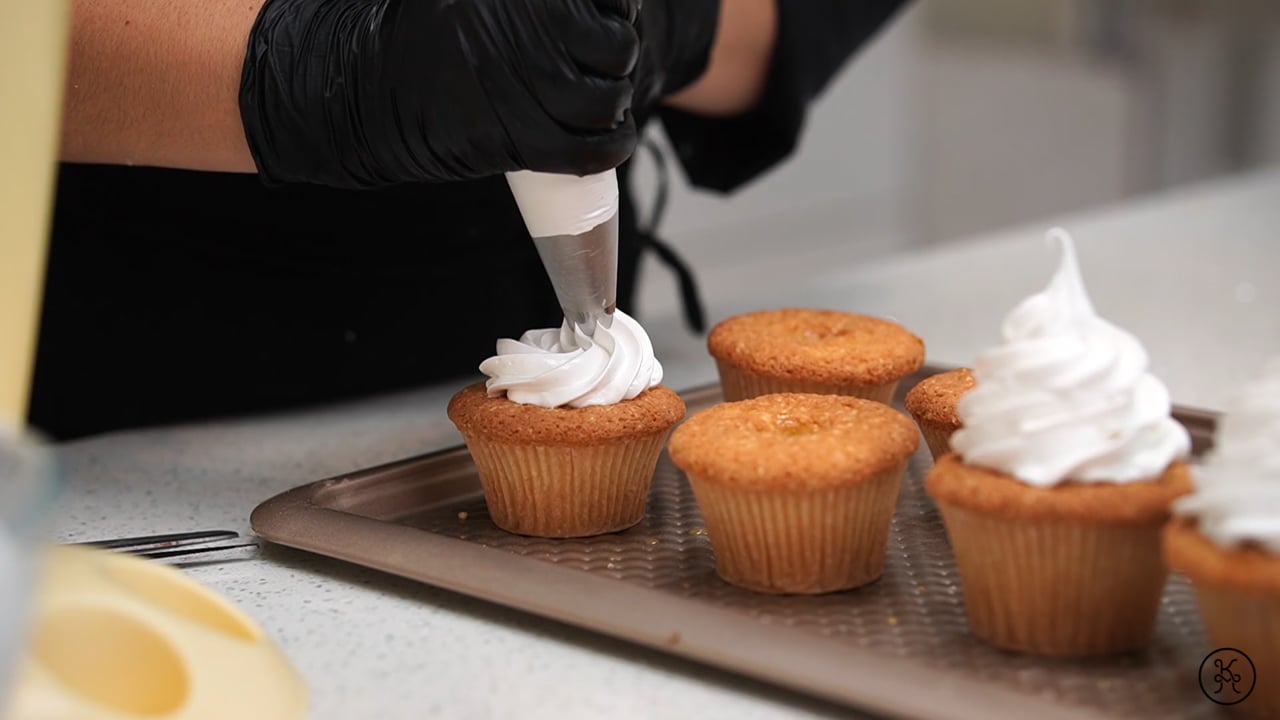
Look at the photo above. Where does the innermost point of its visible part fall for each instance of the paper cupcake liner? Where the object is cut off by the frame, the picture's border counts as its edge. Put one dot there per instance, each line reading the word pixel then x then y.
pixel 1057 588
pixel 741 385
pixel 936 435
pixel 1240 608
pixel 561 492
pixel 1250 623
pixel 800 541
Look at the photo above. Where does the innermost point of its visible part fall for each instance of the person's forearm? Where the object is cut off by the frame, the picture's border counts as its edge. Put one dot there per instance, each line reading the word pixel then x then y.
pixel 736 75
pixel 155 82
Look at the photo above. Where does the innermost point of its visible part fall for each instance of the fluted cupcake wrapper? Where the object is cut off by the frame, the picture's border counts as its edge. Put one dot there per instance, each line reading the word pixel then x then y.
pixel 1057 588
pixel 741 385
pixel 936 435
pixel 1250 623
pixel 560 492
pixel 800 541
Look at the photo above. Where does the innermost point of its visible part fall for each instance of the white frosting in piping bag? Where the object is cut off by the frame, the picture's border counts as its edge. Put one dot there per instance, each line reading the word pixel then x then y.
pixel 1067 396
pixel 1237 497
pixel 553 204
pixel 566 367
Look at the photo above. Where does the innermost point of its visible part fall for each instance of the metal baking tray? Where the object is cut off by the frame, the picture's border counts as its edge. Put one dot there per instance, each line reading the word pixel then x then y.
pixel 898 647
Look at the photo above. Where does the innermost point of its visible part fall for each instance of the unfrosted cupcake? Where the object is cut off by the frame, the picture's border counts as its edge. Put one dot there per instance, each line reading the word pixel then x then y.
pixel 933 405
pixel 568 429
pixel 1061 480
pixel 813 351
pixel 797 490
pixel 1226 537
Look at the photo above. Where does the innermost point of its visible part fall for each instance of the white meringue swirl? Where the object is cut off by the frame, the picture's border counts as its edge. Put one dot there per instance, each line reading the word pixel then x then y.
pixel 566 367
pixel 1067 396
pixel 1237 497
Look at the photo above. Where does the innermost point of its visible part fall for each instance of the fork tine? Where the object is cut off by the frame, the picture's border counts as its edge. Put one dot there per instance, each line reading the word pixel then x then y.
pixel 163 541
pixel 159 554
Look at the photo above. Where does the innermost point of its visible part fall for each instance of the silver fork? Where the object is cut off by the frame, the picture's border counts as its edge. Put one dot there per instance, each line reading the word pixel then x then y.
pixel 174 544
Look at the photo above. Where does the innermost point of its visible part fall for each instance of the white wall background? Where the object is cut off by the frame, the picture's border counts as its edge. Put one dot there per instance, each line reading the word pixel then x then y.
pixel 842 190
pixel 965 116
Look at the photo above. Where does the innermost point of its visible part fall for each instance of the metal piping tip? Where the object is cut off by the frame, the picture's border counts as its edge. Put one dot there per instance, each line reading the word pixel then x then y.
pixel 584 272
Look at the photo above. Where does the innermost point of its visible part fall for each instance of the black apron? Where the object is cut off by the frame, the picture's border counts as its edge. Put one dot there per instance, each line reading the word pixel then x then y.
pixel 176 295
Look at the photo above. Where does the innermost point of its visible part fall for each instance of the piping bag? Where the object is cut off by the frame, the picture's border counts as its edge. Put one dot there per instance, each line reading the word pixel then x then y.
pixel 574 225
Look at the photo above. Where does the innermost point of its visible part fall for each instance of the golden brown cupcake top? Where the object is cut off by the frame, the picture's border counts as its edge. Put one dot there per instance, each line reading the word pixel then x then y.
pixel 954 482
pixel 935 398
pixel 1190 552
pixel 501 420
pixel 793 440
pixel 818 345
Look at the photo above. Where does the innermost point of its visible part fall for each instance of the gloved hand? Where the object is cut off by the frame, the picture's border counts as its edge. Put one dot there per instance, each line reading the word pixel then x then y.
pixel 676 37
pixel 363 93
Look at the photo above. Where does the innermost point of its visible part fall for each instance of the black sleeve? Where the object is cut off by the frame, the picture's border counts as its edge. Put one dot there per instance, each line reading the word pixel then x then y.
pixel 815 37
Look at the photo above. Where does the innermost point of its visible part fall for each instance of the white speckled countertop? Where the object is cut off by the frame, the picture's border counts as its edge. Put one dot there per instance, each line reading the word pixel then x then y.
pixel 1195 274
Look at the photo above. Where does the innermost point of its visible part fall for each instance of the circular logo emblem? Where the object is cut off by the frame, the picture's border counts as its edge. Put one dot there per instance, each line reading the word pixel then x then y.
pixel 1227 676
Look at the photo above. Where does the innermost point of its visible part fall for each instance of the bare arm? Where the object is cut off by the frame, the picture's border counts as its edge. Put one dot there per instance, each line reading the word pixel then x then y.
pixel 740 60
pixel 155 82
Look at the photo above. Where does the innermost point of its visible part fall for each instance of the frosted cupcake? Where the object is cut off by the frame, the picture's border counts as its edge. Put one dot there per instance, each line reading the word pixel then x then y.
pixel 1226 537
pixel 813 351
pixel 797 490
pixel 1061 480
pixel 568 429
pixel 934 405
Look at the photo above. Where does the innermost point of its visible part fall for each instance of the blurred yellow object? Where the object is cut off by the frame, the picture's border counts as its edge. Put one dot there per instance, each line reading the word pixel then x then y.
pixel 33 42
pixel 115 637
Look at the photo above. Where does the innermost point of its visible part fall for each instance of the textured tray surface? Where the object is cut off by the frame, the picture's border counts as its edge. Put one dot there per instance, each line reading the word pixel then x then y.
pixel 915 612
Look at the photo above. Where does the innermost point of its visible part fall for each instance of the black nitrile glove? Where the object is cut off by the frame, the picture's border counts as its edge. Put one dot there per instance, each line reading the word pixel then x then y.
pixel 814 39
pixel 676 37
pixel 364 93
